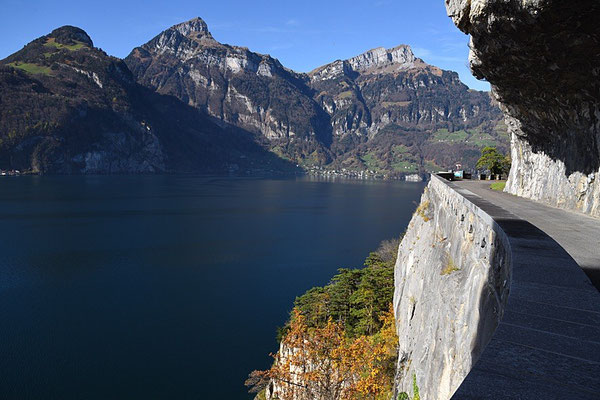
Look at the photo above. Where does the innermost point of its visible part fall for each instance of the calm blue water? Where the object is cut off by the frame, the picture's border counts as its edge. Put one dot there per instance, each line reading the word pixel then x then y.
pixel 168 287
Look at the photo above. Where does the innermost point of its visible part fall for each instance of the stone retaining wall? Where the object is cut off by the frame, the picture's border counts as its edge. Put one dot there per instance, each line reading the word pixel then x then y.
pixel 461 335
pixel 452 282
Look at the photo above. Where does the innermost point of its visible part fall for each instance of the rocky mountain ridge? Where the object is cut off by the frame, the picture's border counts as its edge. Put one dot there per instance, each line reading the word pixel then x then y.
pixel 391 102
pixel 384 111
pixel 68 107
pixel 378 60
pixel 233 84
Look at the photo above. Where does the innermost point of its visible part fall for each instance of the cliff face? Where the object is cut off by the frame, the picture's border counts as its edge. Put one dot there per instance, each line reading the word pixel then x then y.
pixel 542 58
pixel 452 281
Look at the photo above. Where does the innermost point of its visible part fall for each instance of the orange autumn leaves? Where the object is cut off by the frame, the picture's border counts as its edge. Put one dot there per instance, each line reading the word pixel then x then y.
pixel 340 341
pixel 323 363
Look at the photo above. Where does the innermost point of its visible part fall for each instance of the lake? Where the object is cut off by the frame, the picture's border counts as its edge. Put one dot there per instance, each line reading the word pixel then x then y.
pixel 169 286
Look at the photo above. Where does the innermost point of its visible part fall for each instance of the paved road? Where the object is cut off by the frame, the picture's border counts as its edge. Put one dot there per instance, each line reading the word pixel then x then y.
pixel 547 344
pixel 577 233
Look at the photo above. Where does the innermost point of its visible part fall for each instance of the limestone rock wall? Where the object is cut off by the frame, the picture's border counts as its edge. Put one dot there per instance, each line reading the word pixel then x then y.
pixel 542 58
pixel 452 281
pixel 537 176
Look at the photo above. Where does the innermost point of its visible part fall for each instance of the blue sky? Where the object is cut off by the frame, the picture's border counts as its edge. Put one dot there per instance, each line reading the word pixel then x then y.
pixel 301 34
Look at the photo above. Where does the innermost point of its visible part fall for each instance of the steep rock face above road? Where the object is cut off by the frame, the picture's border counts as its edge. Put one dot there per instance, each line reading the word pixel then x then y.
pixel 542 58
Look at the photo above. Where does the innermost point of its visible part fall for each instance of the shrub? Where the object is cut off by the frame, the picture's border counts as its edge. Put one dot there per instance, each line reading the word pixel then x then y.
pixel 422 210
pixel 450 267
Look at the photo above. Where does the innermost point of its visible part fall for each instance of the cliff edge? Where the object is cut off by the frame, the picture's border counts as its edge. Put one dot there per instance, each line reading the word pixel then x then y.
pixel 452 282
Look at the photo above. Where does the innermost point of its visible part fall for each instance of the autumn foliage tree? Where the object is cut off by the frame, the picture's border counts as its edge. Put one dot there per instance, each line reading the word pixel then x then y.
pixel 340 341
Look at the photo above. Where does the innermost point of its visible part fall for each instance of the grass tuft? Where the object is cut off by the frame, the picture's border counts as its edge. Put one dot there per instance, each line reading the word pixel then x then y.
pixel 499 186
pixel 345 95
pixel 416 395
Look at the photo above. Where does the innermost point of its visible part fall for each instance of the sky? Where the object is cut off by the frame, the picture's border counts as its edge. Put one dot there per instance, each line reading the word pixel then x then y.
pixel 303 35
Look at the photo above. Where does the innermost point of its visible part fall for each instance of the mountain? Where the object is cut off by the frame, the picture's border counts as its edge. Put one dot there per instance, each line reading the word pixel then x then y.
pixel 68 107
pixel 183 102
pixel 391 111
pixel 247 89
pixel 383 110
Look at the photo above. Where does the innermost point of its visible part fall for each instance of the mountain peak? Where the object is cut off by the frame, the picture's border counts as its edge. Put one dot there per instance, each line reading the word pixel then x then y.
pixel 70 34
pixel 377 60
pixel 195 28
pixel 399 57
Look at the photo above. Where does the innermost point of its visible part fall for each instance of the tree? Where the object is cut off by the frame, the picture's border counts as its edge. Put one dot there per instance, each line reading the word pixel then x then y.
pixel 340 341
pixel 372 297
pixel 356 298
pixel 494 161
pixel 341 289
pixel 322 363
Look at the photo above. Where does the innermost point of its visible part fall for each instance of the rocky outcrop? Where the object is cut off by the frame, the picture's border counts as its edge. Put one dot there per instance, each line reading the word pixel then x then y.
pixel 542 58
pixel 400 57
pixel 452 281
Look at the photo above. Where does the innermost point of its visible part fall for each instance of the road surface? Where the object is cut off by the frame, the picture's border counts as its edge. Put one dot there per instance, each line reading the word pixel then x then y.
pixel 577 233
